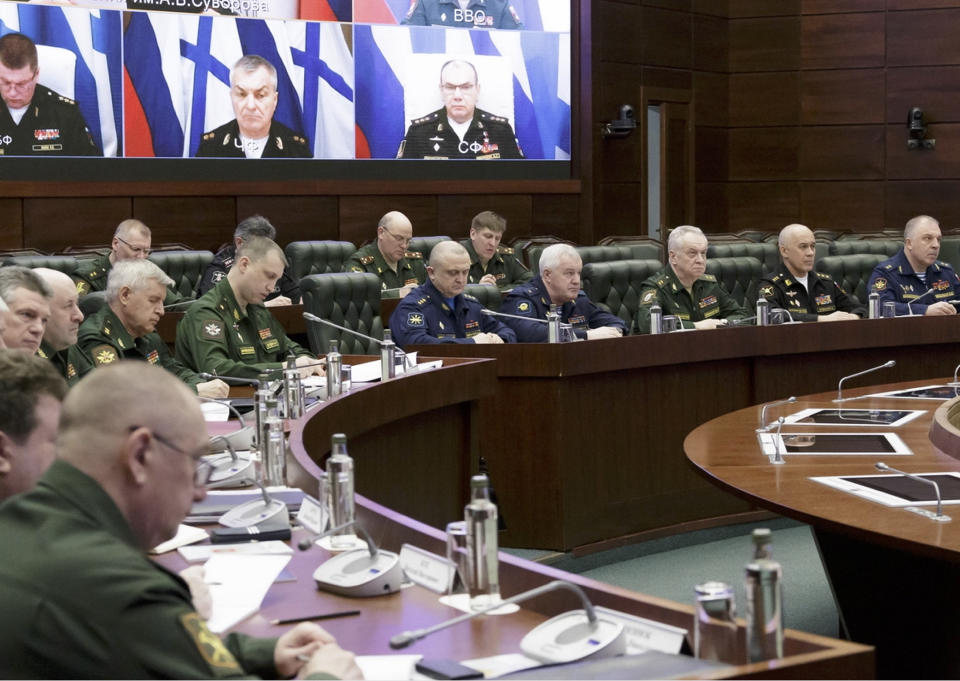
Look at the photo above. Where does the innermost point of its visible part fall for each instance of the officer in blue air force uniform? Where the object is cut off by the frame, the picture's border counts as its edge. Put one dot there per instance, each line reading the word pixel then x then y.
pixel 439 312
pixel 559 283
pixel 475 14
pixel 915 274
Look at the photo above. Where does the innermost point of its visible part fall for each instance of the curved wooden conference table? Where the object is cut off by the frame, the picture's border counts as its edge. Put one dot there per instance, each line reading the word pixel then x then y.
pixel 895 574
pixel 447 394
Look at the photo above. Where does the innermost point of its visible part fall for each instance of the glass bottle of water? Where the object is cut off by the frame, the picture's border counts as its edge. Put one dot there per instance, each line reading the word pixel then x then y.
pixel 340 502
pixel 481 521
pixel 763 577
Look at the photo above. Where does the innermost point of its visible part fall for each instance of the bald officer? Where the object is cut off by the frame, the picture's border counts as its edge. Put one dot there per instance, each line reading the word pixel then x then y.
pixel 388 257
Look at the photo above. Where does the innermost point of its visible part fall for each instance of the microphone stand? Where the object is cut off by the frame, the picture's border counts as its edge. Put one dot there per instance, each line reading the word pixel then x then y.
pixel 840 398
pixel 939 517
pixel 910 302
pixel 388 348
pixel 764 426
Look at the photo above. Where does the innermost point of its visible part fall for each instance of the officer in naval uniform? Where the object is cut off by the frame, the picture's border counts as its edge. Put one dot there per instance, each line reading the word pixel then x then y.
pixel 477 14
pixel 35 120
pixel 460 130
pixel 226 142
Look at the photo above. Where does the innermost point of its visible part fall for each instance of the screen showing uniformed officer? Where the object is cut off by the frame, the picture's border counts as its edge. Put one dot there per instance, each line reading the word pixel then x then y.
pixel 35 120
pixel 460 129
pixel 463 14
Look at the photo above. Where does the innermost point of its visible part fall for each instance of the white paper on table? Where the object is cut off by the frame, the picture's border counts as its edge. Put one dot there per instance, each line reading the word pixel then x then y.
pixel 498 665
pixel 215 411
pixel 388 667
pixel 238 584
pixel 366 372
pixel 203 552
pixel 186 534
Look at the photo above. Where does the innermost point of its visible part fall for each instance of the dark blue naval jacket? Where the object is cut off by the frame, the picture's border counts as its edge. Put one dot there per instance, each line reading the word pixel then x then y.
pixel 894 279
pixel 423 316
pixel 479 14
pixel 532 300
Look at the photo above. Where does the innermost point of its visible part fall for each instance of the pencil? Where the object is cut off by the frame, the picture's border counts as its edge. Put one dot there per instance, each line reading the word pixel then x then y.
pixel 324 616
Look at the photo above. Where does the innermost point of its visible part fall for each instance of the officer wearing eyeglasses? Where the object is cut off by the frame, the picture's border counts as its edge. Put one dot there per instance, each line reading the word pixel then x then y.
pixel 460 130
pixel 35 120
pixel 388 257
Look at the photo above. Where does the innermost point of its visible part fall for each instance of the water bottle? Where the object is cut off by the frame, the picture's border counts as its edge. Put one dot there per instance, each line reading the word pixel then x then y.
pixel 340 478
pixel 763 312
pixel 334 365
pixel 387 353
pixel 292 390
pixel 764 611
pixel 873 305
pixel 553 325
pixel 260 397
pixel 480 516
pixel 273 458
pixel 656 318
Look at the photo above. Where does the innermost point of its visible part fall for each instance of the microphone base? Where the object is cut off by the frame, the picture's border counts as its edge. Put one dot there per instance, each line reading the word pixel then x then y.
pixel 569 637
pixel 927 513
pixel 357 574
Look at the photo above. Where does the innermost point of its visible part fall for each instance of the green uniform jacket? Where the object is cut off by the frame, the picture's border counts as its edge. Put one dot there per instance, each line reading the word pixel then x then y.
pixel 410 268
pixel 82 601
pixel 781 289
pixel 503 265
pixel 105 340
pixel 217 337
pixel 71 363
pixel 91 275
pixel 709 300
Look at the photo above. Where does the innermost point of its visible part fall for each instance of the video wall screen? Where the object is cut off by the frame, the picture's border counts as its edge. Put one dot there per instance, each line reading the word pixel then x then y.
pixel 308 88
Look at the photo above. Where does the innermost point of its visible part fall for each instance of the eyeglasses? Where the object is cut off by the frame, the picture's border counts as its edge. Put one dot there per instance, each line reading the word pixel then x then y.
pixel 136 249
pixel 399 238
pixel 17 85
pixel 465 88
pixel 203 469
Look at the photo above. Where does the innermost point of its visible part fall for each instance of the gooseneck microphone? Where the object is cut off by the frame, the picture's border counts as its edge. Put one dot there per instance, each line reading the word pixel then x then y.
pixel 306 544
pixel 491 313
pixel 319 320
pixel 840 398
pixel 880 466
pixel 230 380
pixel 764 426
pixel 922 295
pixel 181 303
pixel 226 403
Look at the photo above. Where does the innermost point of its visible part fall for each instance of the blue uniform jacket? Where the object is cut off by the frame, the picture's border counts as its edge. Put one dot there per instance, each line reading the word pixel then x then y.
pixel 532 300
pixel 479 14
pixel 423 316
pixel 894 279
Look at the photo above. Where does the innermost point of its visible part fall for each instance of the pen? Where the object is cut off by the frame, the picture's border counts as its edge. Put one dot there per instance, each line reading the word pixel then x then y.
pixel 309 618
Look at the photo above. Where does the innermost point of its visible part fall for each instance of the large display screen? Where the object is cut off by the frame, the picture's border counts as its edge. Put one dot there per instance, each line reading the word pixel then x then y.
pixel 248 89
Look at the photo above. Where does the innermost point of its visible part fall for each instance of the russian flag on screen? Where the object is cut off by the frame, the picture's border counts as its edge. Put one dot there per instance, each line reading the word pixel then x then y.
pixel 179 73
pixel 540 63
pixel 89 40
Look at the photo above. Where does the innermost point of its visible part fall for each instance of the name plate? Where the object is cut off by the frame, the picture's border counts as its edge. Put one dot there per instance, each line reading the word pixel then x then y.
pixel 312 514
pixel 643 634
pixel 427 569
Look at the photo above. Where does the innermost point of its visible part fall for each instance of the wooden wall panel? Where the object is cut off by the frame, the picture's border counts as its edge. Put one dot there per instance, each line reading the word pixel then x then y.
pixel 712 101
pixel 940 163
pixel 620 24
pixel 762 8
pixel 762 205
pixel 842 41
pixel 937 198
pixel 559 214
pixel 711 208
pixel 843 96
pixel 711 43
pixel 717 8
pixel 935 89
pixel 857 206
pixel 841 6
pixel 768 44
pixel 676 5
pixel 764 99
pixel 454 213
pixel 201 222
pixel 359 215
pixel 297 218
pixel 893 5
pixel 923 38
pixel 619 201
pixel 52 224
pixel 842 153
pixel 618 159
pixel 764 153
pixel 666 38
pixel 713 154
pixel 11 223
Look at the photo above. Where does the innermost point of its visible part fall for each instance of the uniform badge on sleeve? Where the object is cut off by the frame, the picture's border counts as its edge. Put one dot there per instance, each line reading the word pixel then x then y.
pixel 523 307
pixel 103 354
pixel 83 288
pixel 648 297
pixel 766 291
pixel 212 329
pixel 415 319
pixel 209 644
pixel 880 284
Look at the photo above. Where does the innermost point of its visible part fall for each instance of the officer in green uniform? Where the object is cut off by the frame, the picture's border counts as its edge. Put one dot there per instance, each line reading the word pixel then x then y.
pixel 59 344
pixel 131 240
pixel 81 598
pixel 124 328
pixel 389 258
pixel 683 289
pixel 35 120
pixel 253 133
pixel 808 295
pixel 229 332
pixel 460 130
pixel 491 263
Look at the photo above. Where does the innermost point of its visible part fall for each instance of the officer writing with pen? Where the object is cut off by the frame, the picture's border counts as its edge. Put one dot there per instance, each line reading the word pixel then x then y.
pixel 914 280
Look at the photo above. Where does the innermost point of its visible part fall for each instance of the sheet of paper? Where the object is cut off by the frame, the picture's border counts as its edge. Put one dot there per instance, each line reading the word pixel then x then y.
pixel 215 411
pixel 366 372
pixel 388 667
pixel 203 552
pixel 186 534
pixel 238 584
pixel 498 665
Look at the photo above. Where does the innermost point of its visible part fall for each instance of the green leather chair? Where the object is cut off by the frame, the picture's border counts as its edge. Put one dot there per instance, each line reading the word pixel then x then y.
pixel 852 272
pixel 350 299
pixel 641 247
pixel 489 296
pixel 317 257
pixel 63 263
pixel 625 251
pixel 950 250
pixel 184 267
pixel 425 244
pixel 735 274
pixel 885 247
pixel 768 253
pixel 615 285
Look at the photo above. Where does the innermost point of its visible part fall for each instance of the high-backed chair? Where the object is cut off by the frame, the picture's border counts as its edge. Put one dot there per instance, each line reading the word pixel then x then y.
pixel 615 285
pixel 735 274
pixel 184 267
pixel 624 251
pixel 852 271
pixel 768 253
pixel 425 244
pixel 885 247
pixel 950 250
pixel 64 263
pixel 317 257
pixel 641 247
pixel 528 248
pixel 92 302
pixel 489 296
pixel 755 235
pixel 350 299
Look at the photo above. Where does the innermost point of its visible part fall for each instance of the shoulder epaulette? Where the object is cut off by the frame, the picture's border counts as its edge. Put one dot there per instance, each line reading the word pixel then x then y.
pixel 366 259
pixel 209 136
pixel 709 277
pixel 423 301
pixel 661 281
pixel 943 264
pixel 824 275
pixel 469 297
pixel 888 267
pixel 65 100
pixel 774 279
pixel 429 118
pixel 413 255
pixel 487 116
pixel 505 250
pixel 299 140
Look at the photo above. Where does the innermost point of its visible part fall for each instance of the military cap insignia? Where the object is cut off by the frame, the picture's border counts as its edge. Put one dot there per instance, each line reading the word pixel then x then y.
pixel 766 291
pixel 212 329
pixel 103 354
pixel 880 284
pixel 83 288
pixel 415 319
pixel 648 296
pixel 211 648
